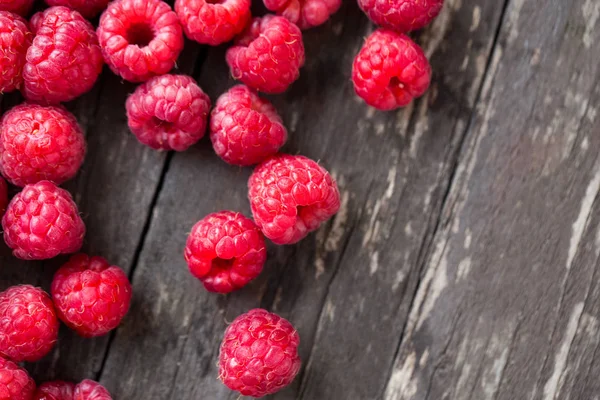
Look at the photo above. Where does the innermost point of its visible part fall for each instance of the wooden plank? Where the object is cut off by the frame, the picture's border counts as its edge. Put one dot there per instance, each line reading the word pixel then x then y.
pixel 346 288
pixel 508 304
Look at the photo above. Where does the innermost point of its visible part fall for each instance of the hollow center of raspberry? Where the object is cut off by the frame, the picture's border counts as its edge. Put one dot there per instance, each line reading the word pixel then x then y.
pixel 396 84
pixel 216 1
pixel 35 128
pixel 222 263
pixel 165 126
pixel 140 34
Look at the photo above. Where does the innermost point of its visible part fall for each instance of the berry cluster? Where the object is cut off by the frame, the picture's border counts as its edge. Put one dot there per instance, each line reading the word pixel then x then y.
pixel 59 56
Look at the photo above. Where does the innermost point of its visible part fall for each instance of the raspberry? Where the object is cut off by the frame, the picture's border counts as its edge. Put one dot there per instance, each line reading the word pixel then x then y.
pixel 28 324
pixel 15 383
pixel 168 112
pixel 40 143
pixel 401 15
pixel 42 222
pixel 390 70
pixel 91 296
pixel 304 13
pixel 259 354
pixel 85 390
pixel 244 128
pixel 64 60
pixel 291 196
pixel 3 196
pixel 268 55
pixel 213 22
pixel 87 8
pixel 140 38
pixel 90 390
pixel 21 7
pixel 225 250
pixel 15 39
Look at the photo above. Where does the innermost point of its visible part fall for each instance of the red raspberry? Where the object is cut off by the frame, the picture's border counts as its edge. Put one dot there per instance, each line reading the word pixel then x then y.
pixel 213 22
pixel 57 390
pixel 42 222
pixel 304 13
pixel 140 38
pixel 91 296
pixel 64 60
pixel 87 8
pixel 40 143
pixel 15 39
pixel 15 383
pixel 3 196
pixel 291 196
pixel 390 70
pixel 401 15
pixel 225 250
pixel 244 128
pixel 168 112
pixel 90 390
pixel 268 55
pixel 21 7
pixel 259 354
pixel 28 324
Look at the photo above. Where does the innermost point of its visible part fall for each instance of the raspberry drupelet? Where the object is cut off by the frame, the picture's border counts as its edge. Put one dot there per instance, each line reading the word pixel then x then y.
pixel 213 22
pixel 40 143
pixel 244 128
pixel 28 324
pixel 15 382
pixel 87 8
pixel 225 250
pixel 140 38
pixel 304 13
pixel 291 196
pixel 268 55
pixel 15 39
pixel 390 70
pixel 168 112
pixel 64 60
pixel 41 222
pixel 3 196
pixel 21 7
pixel 90 295
pixel 259 354
pixel 402 15
pixel 59 390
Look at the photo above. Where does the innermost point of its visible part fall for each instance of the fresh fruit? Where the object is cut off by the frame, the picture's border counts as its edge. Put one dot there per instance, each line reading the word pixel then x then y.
pixel 40 143
pixel 87 8
pixel 259 354
pixel 140 39
pixel 59 390
pixel 15 39
pixel 291 196
pixel 244 128
pixel 390 70
pixel 90 390
pixel 213 22
pixel 28 324
pixel 3 196
pixel 401 15
pixel 90 295
pixel 304 13
pixel 268 55
pixel 64 60
pixel 21 7
pixel 225 250
pixel 15 383
pixel 42 222
pixel 168 112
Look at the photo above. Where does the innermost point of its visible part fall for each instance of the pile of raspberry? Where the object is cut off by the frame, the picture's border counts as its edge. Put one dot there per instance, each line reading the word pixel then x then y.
pixel 58 55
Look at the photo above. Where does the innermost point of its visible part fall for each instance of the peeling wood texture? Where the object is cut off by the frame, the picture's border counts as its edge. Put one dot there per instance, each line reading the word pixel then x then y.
pixel 462 264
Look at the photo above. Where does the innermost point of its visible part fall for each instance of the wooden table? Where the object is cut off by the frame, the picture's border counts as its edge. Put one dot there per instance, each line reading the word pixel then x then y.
pixel 462 264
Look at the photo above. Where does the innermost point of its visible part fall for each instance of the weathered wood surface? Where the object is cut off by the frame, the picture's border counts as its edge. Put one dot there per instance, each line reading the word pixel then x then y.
pixel 461 265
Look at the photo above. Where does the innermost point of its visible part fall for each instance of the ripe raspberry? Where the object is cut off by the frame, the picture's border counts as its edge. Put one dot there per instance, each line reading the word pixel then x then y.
pixel 90 390
pixel 15 39
pixel 268 55
pixel 259 354
pixel 21 7
pixel 304 13
pixel 42 222
pixel 87 8
pixel 91 296
pixel 3 196
pixel 401 15
pixel 28 324
pixel 225 250
pixel 390 70
pixel 64 60
pixel 40 143
pixel 57 390
pixel 140 39
pixel 213 22
pixel 15 383
pixel 291 196
pixel 168 112
pixel 244 128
